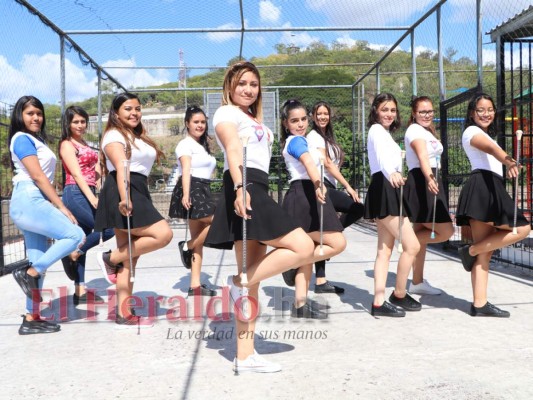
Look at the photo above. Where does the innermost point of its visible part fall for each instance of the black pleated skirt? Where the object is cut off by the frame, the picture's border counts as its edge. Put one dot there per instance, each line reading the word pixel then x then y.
pixel 200 194
pixel 485 199
pixel 421 200
pixel 301 203
pixel 382 199
pixel 108 215
pixel 269 221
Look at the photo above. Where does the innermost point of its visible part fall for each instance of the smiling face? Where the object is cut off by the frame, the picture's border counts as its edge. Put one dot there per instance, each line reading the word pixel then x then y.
pixel 387 112
pixel 246 91
pixel 297 122
pixel 321 118
pixel 78 126
pixel 129 113
pixel 424 113
pixel 196 125
pixel 33 118
pixel 483 115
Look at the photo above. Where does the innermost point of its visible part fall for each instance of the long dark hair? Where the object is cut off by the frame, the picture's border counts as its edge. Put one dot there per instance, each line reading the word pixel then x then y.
pixel 286 108
pixel 414 107
pixel 17 121
pixel 472 105
pixel 327 134
pixel 67 118
pixel 373 117
pixel 139 131
pixel 203 140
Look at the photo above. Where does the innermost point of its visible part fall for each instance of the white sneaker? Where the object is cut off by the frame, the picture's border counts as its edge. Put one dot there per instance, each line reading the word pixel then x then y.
pixel 239 298
pixel 423 288
pixel 255 363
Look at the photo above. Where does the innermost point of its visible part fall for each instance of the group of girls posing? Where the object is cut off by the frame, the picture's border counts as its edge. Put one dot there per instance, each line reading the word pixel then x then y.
pixel 484 204
pixel 291 230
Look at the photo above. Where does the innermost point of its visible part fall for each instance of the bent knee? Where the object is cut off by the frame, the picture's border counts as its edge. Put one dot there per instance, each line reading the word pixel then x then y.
pixel 523 231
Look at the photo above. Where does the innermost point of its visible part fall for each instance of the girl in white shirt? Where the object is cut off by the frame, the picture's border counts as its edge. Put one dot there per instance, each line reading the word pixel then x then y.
pixel 484 203
pixel 267 223
pixel 346 202
pixel 126 139
pixel 191 198
pixel 303 164
pixel 382 204
pixel 422 149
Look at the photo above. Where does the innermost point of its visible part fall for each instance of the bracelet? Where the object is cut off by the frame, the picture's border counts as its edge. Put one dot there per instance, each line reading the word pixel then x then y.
pixel 237 187
pixel 431 176
pixel 509 158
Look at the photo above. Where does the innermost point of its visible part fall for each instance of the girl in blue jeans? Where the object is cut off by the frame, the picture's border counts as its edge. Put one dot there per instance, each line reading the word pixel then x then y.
pixel 82 174
pixel 36 209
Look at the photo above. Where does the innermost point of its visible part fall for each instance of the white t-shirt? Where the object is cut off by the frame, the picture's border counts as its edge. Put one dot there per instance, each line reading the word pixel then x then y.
pixel 202 163
pixel 295 168
pixel 433 146
pixel 315 140
pixel 261 137
pixel 384 154
pixel 142 154
pixel 47 159
pixel 479 159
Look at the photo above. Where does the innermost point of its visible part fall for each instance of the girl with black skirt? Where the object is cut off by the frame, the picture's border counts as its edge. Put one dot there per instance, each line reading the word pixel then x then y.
pixel 191 198
pixel 267 223
pixel 382 204
pixel 305 199
pixel 484 204
pixel 125 138
pixel 422 149
pixel 346 202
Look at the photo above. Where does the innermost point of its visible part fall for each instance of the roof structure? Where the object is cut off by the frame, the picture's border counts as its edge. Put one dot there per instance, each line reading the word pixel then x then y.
pixel 518 27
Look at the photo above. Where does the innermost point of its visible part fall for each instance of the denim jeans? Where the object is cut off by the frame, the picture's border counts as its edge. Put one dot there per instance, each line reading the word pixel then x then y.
pixel 39 220
pixel 79 206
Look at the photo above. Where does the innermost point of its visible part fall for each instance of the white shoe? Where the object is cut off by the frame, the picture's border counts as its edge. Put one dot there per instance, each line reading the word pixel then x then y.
pixel 239 298
pixel 255 363
pixel 423 288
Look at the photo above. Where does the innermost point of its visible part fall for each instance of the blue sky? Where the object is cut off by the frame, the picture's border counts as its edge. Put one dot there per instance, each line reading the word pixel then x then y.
pixel 29 51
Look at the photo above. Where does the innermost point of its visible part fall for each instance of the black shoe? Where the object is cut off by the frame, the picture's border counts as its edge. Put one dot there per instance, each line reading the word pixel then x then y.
pixel 202 290
pixel 84 298
pixel 467 260
pixel 488 310
pixel 37 326
pixel 386 310
pixel 290 276
pixel 70 267
pixel 27 282
pixel 328 288
pixel 186 255
pixel 407 302
pixel 306 311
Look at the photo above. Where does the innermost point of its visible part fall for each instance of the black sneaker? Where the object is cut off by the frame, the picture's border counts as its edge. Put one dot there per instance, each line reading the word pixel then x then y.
pixel 328 288
pixel 70 267
pixel 85 298
pixel 202 290
pixel 133 321
pixel 290 276
pixel 37 326
pixel 488 310
pixel 186 255
pixel 386 310
pixel 27 282
pixel 467 260
pixel 407 302
pixel 306 311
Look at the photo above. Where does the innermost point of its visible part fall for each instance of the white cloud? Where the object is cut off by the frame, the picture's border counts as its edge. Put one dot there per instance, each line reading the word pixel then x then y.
pixel 39 75
pixel 495 11
pixel 368 12
pixel 135 77
pixel 220 37
pixel 268 12
pixel 489 56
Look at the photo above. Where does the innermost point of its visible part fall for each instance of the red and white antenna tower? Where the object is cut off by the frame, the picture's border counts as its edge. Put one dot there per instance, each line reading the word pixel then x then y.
pixel 182 77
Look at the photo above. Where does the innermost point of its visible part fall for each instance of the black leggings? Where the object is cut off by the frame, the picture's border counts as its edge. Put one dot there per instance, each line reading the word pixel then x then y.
pixel 351 212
